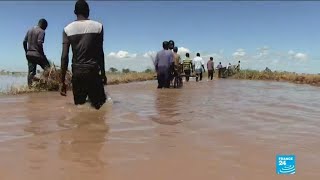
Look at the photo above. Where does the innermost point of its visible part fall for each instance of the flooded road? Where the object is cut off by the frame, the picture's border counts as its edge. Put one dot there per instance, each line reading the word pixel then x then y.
pixel 225 129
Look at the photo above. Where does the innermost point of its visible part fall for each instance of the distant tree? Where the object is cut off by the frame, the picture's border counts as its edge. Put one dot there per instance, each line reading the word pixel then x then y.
pixel 148 70
pixel 125 70
pixel 113 70
pixel 267 70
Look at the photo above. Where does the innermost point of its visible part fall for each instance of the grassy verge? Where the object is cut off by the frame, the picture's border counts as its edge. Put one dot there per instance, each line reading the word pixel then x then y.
pixel 312 79
pixel 119 78
pixel 54 78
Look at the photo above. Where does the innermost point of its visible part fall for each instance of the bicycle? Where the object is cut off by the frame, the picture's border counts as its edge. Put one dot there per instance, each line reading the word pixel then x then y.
pixel 177 81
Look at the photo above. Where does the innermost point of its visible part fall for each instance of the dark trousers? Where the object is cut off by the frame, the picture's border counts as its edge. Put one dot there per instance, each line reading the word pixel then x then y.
pixel 164 79
pixel 32 66
pixel 187 73
pixel 210 74
pixel 199 75
pixel 88 84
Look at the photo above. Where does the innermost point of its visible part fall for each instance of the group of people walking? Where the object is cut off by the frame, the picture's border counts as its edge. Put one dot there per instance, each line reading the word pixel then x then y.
pixel 168 64
pixel 85 36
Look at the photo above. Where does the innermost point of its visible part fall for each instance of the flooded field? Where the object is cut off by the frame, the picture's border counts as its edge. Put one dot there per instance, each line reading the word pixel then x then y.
pixel 223 129
pixel 8 81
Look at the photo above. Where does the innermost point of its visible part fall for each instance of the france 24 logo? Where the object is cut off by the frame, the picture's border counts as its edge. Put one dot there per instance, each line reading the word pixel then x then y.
pixel 286 164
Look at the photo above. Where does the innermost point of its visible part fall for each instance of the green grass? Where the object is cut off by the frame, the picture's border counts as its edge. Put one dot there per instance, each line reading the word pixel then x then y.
pixel 312 79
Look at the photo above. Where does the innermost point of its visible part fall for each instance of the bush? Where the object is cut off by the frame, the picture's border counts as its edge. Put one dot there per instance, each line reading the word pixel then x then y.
pixel 113 70
pixel 125 70
pixel 50 79
pixel 148 70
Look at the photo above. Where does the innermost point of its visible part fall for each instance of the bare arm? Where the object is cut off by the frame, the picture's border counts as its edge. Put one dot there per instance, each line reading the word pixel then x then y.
pixel 64 57
pixel 202 64
pixel 101 54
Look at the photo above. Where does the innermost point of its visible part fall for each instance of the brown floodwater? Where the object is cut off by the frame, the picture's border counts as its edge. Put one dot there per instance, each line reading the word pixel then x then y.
pixel 223 129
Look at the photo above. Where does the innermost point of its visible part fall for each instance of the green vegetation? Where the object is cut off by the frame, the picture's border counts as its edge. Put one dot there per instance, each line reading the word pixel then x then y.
pixel 49 80
pixel 312 79
pixel 119 78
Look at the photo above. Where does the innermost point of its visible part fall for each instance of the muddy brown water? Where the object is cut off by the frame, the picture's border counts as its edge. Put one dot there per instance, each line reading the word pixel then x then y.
pixel 224 129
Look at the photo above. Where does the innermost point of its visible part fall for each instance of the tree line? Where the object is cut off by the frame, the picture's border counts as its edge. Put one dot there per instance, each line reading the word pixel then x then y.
pixel 127 70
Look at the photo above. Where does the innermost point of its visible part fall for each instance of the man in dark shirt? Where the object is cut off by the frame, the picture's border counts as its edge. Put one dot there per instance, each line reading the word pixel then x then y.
pixel 88 70
pixel 238 67
pixel 33 47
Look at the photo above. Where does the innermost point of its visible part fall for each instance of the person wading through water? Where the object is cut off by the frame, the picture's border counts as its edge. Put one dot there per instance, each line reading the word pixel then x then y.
pixel 238 66
pixel 163 64
pixel 177 63
pixel 187 66
pixel 210 67
pixel 171 74
pixel 33 47
pixel 219 67
pixel 198 66
pixel 88 67
pixel 171 45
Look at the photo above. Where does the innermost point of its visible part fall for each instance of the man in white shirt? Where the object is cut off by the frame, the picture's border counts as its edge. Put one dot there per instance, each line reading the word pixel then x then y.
pixel 198 66
pixel 219 67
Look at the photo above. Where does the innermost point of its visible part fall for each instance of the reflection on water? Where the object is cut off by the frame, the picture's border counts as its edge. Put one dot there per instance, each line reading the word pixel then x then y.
pixel 200 130
pixel 167 107
pixel 85 139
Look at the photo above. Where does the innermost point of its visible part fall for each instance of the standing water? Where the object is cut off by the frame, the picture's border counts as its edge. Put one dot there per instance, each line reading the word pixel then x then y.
pixel 223 129
pixel 8 81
